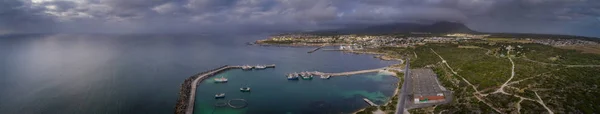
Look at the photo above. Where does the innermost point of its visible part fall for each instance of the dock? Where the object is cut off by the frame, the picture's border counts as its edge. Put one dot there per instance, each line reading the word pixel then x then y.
pixel 270 66
pixel 370 102
pixel 187 93
pixel 316 49
pixel 354 72
pixel 332 50
pixel 342 73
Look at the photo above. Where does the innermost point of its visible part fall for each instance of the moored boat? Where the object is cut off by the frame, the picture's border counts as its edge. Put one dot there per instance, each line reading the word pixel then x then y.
pixel 220 80
pixel 220 95
pixel 307 77
pixel 245 89
pixel 260 67
pixel 325 76
pixel 246 67
pixel 292 76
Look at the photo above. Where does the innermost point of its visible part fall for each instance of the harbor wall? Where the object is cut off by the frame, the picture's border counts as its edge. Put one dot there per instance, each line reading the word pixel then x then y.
pixel 186 86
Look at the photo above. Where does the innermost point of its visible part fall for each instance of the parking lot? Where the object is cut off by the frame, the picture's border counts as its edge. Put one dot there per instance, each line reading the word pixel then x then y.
pixel 425 83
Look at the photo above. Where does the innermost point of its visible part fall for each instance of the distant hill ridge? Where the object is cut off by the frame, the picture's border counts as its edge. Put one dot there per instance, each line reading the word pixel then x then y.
pixel 438 28
pixel 395 28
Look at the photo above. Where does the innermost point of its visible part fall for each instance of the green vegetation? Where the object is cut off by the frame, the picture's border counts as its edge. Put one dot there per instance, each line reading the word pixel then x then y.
pixel 569 90
pixel 543 53
pixel 531 107
pixel 480 69
pixel 527 69
pixel 475 71
pixel 502 101
pixel 563 88
pixel 368 110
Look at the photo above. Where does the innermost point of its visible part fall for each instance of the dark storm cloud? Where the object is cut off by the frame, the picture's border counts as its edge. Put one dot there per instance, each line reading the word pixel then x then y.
pixel 19 16
pixel 546 16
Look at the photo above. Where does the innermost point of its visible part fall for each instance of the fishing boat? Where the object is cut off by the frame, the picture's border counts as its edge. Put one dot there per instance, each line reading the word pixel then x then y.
pixel 220 80
pixel 260 67
pixel 245 89
pixel 292 76
pixel 246 67
pixel 325 76
pixel 220 95
pixel 303 74
pixel 307 77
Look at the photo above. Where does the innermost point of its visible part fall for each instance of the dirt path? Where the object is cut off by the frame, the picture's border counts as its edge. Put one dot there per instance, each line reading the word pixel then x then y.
pixel 542 102
pixel 477 93
pixel 512 75
pixel 518 105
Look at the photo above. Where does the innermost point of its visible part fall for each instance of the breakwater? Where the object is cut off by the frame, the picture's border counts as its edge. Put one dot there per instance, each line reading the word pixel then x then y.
pixel 316 49
pixel 185 97
pixel 187 93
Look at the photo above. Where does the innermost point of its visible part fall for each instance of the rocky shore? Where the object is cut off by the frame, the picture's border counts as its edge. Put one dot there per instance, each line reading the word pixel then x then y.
pixel 184 92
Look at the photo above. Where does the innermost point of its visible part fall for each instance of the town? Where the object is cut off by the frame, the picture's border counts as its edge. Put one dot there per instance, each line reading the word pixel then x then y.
pixel 374 41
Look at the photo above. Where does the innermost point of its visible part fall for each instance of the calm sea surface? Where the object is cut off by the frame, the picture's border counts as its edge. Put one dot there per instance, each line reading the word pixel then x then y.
pixel 142 74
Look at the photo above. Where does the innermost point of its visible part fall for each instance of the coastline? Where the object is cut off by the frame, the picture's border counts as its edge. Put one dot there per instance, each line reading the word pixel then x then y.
pixel 380 56
pixel 386 103
pixel 185 102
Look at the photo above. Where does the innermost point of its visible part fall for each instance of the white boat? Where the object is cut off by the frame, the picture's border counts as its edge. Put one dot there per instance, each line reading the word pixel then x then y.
pixel 260 67
pixel 303 74
pixel 220 80
pixel 325 76
pixel 246 67
pixel 220 95
pixel 292 76
pixel 245 89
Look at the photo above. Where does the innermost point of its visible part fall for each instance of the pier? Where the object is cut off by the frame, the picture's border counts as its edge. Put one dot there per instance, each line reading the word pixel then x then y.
pixel 343 73
pixel 316 49
pixel 370 102
pixel 187 93
pixel 270 66
pixel 355 72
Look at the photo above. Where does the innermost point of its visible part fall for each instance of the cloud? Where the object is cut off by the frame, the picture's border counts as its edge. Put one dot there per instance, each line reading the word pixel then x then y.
pixel 16 16
pixel 91 16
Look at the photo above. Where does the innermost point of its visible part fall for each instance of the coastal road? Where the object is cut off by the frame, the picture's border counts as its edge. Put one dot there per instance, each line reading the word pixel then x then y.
pixel 403 92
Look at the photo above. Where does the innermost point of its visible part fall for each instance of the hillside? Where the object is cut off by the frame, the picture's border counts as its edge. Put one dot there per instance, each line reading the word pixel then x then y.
pixel 401 28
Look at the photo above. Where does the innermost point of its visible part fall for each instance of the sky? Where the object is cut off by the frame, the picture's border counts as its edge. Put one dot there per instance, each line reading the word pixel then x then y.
pixel 572 17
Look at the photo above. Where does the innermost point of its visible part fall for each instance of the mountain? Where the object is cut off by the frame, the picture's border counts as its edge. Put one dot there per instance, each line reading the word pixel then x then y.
pixel 393 28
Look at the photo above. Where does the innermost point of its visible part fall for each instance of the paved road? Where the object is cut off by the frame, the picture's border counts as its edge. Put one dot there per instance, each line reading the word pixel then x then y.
pixel 403 92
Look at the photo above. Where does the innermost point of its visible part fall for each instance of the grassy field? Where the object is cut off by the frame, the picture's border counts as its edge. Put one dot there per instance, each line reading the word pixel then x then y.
pixel 525 69
pixel 584 49
pixel 480 69
pixel 563 89
pixel 568 90
pixel 546 54
pixel 507 40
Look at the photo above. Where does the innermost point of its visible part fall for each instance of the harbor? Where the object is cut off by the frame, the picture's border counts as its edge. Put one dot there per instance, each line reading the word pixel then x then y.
pixel 187 93
pixel 316 95
pixel 310 74
pixel 257 67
